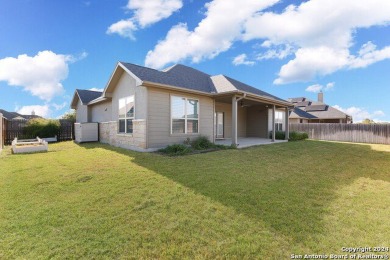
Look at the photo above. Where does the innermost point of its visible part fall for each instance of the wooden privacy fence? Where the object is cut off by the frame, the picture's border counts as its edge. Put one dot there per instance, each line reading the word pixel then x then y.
pixel 356 133
pixel 14 128
pixel 66 130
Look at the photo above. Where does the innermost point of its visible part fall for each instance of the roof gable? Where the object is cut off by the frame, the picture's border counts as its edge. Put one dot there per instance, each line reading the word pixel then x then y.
pixel 88 95
pixel 85 96
pixel 177 76
pixel 246 88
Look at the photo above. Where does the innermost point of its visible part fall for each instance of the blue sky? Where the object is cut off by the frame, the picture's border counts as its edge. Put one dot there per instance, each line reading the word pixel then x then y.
pixel 287 48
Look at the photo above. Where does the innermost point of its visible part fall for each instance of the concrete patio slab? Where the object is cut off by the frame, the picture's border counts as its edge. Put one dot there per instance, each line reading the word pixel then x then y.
pixel 244 142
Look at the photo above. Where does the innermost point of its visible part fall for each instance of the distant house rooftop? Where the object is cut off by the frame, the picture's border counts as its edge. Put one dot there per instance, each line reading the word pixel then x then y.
pixel 15 116
pixel 316 110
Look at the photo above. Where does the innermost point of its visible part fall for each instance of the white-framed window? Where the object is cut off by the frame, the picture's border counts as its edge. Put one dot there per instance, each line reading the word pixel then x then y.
pixel 126 115
pixel 184 115
pixel 278 121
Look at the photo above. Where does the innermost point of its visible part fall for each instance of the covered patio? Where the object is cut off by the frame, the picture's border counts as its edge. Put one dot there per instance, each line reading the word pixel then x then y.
pixel 243 119
pixel 243 142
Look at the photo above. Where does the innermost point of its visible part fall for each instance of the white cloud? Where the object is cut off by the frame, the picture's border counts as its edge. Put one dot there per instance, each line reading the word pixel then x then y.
pixel 43 111
pixel 323 45
pixel 317 87
pixel 59 106
pixel 329 86
pixel 359 114
pixel 242 60
pixel 145 13
pixel 152 11
pixel 314 88
pixel 96 89
pixel 124 28
pixel 368 55
pixel 40 75
pixel 277 53
pixel 312 62
pixel 216 33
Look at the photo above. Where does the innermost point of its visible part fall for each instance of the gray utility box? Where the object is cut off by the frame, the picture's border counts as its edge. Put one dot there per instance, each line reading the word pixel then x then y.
pixel 86 132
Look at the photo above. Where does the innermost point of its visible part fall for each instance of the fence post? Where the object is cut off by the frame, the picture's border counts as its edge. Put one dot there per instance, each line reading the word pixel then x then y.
pixel 1 132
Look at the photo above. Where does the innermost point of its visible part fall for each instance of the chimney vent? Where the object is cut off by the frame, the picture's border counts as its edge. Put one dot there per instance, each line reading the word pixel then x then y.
pixel 321 97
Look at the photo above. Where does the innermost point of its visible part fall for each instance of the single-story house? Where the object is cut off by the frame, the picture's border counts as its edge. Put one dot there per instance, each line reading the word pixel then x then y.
pixel 145 109
pixel 16 116
pixel 308 111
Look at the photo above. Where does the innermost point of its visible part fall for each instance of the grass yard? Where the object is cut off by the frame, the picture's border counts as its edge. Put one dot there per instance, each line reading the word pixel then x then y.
pixel 94 201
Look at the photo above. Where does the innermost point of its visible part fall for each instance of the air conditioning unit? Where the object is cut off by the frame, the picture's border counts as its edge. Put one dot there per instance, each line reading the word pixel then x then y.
pixel 86 132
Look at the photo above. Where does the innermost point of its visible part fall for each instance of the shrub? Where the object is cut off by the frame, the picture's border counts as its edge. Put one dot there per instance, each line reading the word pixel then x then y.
pixel 71 115
pixel 176 149
pixel 279 135
pixel 41 127
pixel 295 136
pixel 202 143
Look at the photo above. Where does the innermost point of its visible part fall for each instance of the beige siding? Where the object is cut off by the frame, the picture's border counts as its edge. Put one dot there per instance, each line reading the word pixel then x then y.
pixel 81 113
pixel 127 87
pixel 226 108
pixel 101 112
pixel 124 88
pixel 257 122
pixel 241 121
pixel 159 118
pixel 141 102
pixel 227 112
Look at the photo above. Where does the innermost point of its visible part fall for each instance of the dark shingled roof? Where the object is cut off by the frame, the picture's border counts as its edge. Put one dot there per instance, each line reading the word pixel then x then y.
pixel 302 113
pixel 12 115
pixel 9 115
pixel 87 96
pixel 178 76
pixel 244 87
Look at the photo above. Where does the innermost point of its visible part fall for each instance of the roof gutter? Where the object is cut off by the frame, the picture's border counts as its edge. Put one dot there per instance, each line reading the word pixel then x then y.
pixel 98 100
pixel 266 99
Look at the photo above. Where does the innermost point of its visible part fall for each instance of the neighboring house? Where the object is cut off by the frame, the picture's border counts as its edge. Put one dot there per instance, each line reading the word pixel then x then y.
pixel 142 108
pixel 16 116
pixel 308 111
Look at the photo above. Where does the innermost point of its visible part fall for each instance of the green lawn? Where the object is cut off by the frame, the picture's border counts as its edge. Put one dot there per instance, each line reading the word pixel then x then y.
pixel 94 201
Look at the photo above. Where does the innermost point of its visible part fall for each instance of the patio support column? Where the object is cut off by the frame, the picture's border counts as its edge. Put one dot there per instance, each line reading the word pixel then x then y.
pixel 234 121
pixel 273 123
pixel 287 127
